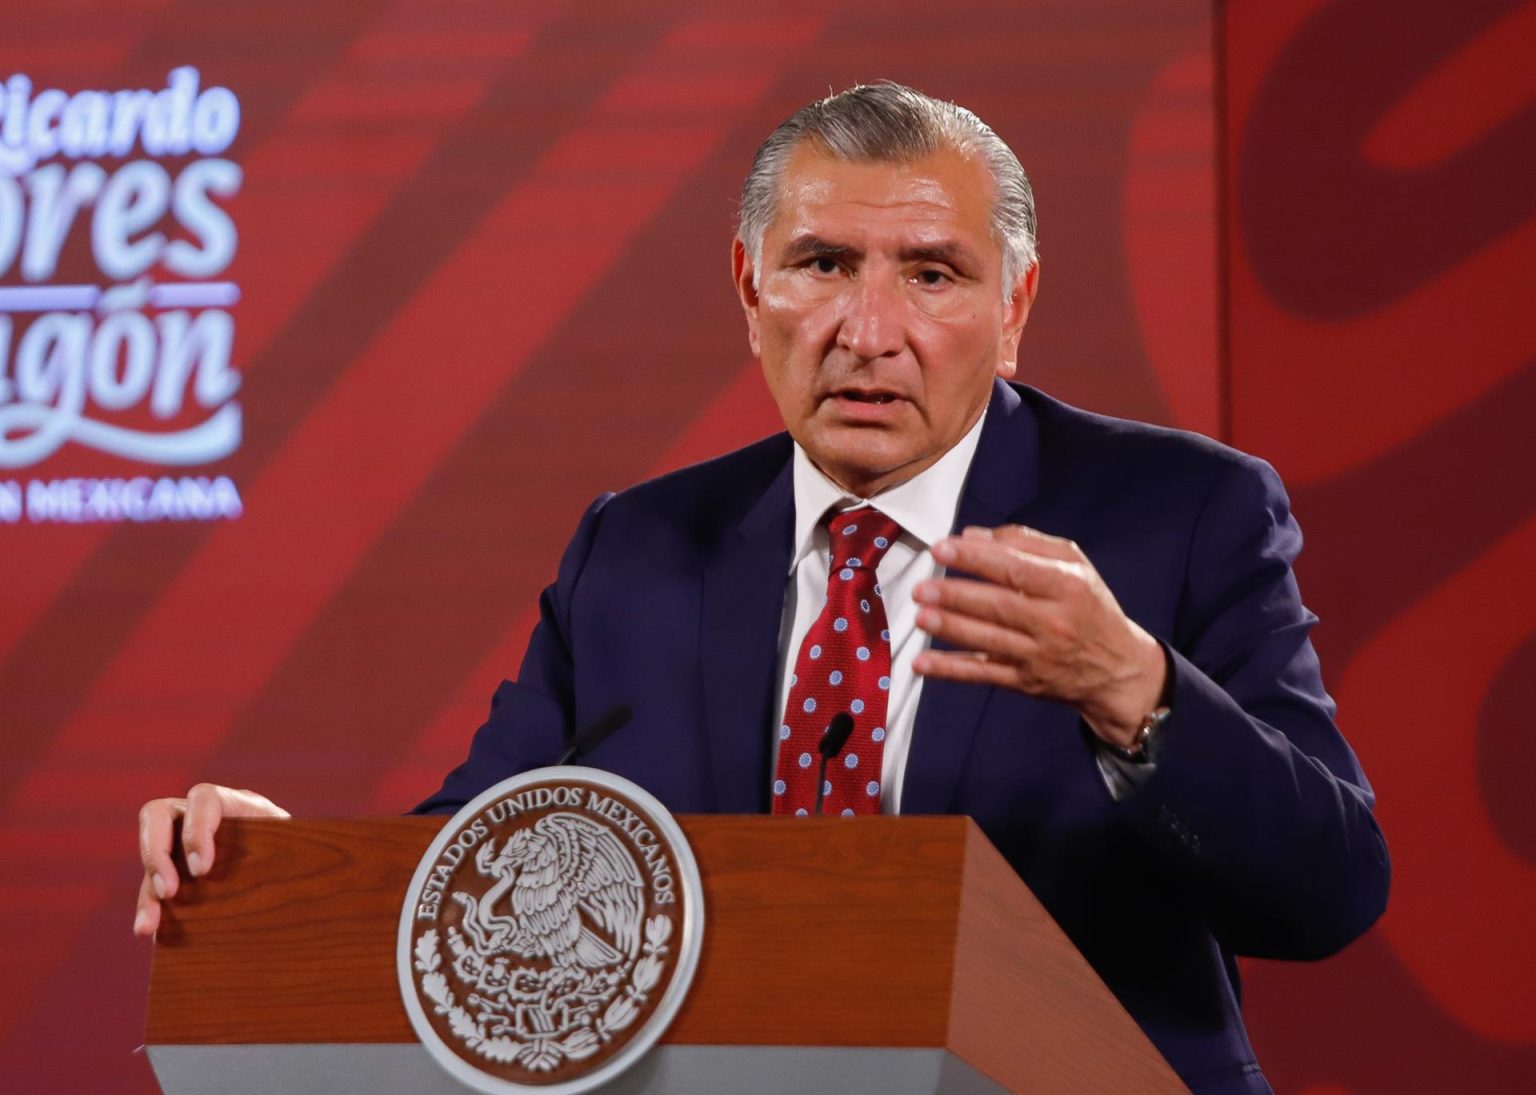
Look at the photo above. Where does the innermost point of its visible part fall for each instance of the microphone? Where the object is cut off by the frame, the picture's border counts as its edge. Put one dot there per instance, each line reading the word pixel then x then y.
pixel 597 732
pixel 832 742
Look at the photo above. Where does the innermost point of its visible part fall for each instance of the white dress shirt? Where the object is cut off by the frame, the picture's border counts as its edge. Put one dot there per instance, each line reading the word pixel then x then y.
pixel 925 507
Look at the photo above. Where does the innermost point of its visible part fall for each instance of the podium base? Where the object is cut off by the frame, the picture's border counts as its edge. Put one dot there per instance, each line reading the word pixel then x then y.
pixel 383 1069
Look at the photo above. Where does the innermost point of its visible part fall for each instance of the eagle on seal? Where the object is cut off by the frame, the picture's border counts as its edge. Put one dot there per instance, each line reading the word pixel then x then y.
pixel 552 873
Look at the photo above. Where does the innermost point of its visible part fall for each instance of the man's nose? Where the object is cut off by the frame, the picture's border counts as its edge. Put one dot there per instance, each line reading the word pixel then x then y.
pixel 874 319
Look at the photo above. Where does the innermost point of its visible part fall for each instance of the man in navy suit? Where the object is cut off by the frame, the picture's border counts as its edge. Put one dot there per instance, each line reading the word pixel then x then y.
pixel 1096 645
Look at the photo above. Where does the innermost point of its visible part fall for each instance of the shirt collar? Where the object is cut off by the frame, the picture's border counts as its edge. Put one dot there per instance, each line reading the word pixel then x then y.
pixel 924 506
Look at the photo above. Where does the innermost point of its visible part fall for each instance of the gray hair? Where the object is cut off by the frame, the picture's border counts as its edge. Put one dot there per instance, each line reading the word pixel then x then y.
pixel 890 123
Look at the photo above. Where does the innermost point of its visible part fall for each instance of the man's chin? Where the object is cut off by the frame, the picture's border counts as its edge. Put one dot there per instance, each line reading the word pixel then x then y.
pixel 864 460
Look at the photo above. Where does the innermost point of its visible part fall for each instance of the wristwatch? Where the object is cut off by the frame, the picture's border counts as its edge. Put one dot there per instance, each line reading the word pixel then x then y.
pixel 1136 752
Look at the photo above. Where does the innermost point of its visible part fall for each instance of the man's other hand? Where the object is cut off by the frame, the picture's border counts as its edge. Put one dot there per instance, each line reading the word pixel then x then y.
pixel 1035 616
pixel 201 811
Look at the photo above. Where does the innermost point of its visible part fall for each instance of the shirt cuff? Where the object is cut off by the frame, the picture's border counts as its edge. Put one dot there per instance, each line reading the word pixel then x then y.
pixel 1123 776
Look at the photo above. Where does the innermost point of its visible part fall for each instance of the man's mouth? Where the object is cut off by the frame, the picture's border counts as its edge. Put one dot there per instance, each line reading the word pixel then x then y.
pixel 865 397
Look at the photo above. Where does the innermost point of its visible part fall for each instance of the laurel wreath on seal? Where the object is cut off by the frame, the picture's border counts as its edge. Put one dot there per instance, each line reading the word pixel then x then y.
pixel 542 1054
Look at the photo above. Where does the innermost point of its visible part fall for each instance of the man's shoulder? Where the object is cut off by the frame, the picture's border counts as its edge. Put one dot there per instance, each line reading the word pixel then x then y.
pixel 712 493
pixel 1071 437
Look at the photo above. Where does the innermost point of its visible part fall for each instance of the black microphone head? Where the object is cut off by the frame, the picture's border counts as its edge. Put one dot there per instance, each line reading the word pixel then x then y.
pixel 838 731
pixel 599 729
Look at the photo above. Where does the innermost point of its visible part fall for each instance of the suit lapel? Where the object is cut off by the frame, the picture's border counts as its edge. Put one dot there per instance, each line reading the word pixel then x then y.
pixel 999 489
pixel 743 606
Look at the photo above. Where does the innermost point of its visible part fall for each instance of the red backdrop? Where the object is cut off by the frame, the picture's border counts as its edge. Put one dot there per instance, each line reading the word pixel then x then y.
pixel 1380 173
pixel 480 256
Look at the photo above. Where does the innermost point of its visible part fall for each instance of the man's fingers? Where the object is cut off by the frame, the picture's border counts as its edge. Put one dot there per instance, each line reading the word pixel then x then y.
pixel 999 643
pixel 1031 540
pixel 207 805
pixel 983 600
pixel 157 822
pixel 995 561
pixel 205 809
pixel 146 919
pixel 199 813
pixel 958 665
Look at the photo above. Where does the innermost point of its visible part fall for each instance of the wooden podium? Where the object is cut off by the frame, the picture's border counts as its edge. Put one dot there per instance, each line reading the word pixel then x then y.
pixel 841 956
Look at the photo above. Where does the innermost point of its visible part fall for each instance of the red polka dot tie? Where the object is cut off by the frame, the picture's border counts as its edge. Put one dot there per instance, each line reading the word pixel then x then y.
pixel 844 664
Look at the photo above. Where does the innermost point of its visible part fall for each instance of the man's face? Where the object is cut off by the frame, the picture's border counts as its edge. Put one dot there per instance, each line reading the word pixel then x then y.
pixel 879 315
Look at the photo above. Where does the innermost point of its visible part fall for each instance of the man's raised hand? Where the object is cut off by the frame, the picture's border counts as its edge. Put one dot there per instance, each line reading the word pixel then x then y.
pixel 1035 616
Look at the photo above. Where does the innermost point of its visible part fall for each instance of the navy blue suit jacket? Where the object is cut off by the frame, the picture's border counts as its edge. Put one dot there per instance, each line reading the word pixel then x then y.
pixel 1254 835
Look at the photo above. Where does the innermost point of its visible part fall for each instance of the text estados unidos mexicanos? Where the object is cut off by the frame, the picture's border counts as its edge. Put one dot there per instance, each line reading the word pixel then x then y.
pixel 67 369
pixel 659 865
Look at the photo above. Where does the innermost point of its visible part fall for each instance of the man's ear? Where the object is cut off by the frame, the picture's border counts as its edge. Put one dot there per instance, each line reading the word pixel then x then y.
pixel 742 274
pixel 1015 316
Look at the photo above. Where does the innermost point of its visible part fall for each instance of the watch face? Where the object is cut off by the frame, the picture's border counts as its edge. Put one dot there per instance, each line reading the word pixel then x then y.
pixel 1137 753
pixel 1149 728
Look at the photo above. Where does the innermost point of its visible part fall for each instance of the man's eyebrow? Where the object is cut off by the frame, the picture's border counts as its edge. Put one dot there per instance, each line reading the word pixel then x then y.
pixel 950 252
pixel 814 247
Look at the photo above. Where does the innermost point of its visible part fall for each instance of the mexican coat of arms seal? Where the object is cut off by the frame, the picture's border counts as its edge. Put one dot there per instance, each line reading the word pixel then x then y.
pixel 550 932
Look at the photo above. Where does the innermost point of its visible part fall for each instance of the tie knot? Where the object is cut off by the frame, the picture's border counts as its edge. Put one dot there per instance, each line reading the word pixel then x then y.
pixel 861 537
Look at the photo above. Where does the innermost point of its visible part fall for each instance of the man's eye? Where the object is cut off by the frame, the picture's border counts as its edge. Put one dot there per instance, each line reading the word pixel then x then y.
pixel 824 265
pixel 933 278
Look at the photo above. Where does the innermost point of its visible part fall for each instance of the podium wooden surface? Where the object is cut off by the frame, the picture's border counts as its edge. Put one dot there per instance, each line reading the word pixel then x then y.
pixel 840 955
